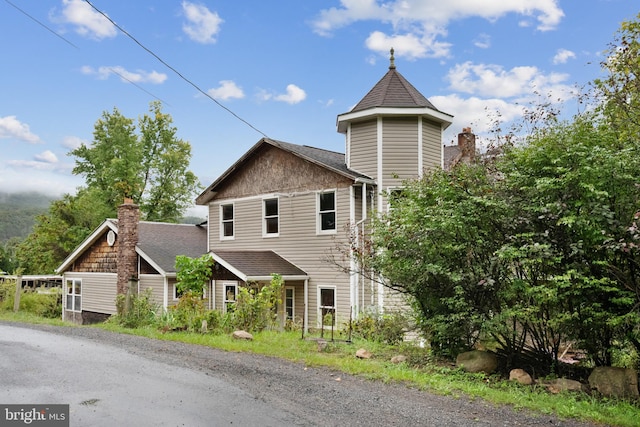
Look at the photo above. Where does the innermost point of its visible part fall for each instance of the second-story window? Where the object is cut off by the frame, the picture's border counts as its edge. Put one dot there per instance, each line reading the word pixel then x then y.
pixel 327 212
pixel 271 217
pixel 227 228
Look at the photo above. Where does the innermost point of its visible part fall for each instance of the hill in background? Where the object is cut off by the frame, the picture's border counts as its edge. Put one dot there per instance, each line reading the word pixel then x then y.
pixel 18 212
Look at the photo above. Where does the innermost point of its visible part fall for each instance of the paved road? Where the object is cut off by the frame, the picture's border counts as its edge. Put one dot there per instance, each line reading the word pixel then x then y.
pixel 106 386
pixel 113 379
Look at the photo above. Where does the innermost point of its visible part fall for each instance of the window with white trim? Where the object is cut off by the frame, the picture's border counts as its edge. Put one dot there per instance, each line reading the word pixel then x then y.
pixel 327 212
pixel 289 302
pixel 230 296
pixel 227 224
pixel 271 223
pixel 327 305
pixel 74 295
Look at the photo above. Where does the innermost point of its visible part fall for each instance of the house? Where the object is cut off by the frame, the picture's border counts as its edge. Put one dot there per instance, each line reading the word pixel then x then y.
pixel 282 208
pixel 93 273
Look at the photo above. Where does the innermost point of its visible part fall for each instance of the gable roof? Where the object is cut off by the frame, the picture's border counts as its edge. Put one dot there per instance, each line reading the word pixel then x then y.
pixel 250 265
pixel 158 243
pixel 327 159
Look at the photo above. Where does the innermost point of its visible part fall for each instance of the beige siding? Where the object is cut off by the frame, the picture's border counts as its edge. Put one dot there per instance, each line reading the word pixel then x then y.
pixel 155 282
pixel 172 286
pixel 432 145
pixel 399 150
pixel 297 242
pixel 98 291
pixel 364 148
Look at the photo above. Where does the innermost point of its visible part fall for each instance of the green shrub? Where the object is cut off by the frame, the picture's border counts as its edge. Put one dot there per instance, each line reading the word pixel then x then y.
pixel 189 314
pixel 47 304
pixel 385 328
pixel 142 312
pixel 255 309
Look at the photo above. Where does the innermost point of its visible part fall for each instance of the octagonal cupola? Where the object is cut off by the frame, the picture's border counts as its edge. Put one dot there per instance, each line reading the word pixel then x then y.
pixel 394 132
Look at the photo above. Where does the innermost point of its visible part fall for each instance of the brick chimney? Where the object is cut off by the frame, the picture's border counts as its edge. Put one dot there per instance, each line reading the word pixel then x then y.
pixel 467 144
pixel 128 217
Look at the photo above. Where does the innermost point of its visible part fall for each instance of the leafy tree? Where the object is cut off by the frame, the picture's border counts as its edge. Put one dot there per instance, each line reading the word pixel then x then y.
pixel 438 245
pixel 193 273
pixel 151 168
pixel 56 234
pixel 620 88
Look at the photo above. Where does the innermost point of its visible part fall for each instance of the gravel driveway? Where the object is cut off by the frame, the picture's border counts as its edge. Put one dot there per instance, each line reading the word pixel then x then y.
pixel 316 396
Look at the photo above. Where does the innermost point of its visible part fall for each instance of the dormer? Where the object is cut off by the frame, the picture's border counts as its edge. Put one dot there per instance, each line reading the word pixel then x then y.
pixel 394 132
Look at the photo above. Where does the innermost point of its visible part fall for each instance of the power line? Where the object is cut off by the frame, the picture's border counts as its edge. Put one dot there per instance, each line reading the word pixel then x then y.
pixel 41 24
pixel 174 70
pixel 136 85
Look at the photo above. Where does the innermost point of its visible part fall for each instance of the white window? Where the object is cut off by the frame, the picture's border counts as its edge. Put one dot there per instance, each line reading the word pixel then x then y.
pixel 176 292
pixel 289 302
pixel 327 212
pixel 227 227
pixel 230 295
pixel 74 295
pixel 271 223
pixel 327 306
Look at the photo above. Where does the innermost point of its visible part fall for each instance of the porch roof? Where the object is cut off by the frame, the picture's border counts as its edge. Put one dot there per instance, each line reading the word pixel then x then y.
pixel 250 265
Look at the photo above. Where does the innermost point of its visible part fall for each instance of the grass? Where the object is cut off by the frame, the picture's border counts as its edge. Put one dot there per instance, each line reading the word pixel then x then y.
pixel 436 378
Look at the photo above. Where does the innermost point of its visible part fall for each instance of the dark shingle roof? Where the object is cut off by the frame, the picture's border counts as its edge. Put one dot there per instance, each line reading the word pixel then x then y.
pixel 329 159
pixel 162 242
pixel 393 91
pixel 253 264
pixel 325 158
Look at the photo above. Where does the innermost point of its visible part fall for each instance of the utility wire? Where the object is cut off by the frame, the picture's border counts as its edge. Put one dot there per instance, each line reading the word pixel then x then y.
pixel 174 70
pixel 137 85
pixel 41 24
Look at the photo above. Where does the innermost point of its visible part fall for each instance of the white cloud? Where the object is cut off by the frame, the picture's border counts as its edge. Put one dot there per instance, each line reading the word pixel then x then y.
pixel 47 157
pixel 138 76
pixel 479 113
pixel 563 55
pixel 11 127
pixel 419 25
pixel 72 142
pixel 489 80
pixel 227 90
pixel 410 46
pixel 203 25
pixel 483 41
pixel 294 95
pixel 88 22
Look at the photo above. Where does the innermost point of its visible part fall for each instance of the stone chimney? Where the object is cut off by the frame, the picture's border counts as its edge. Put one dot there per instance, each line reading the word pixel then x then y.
pixel 127 260
pixel 467 145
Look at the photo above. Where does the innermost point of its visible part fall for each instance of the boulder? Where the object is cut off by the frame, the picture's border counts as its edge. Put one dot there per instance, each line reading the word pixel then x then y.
pixel 322 345
pixel 363 354
pixel 242 335
pixel 398 359
pixel 477 361
pixel 521 376
pixel 618 382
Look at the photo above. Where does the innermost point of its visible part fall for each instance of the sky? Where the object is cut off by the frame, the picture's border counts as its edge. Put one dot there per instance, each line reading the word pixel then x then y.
pixel 231 72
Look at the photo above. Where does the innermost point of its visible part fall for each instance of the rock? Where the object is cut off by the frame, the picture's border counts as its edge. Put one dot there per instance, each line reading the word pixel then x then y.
pixel 477 361
pixel 619 382
pixel 521 376
pixel 563 384
pixel 398 359
pixel 243 335
pixel 322 345
pixel 363 354
pixel 204 327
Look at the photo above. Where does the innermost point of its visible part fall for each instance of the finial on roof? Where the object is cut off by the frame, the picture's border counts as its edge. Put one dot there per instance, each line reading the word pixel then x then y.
pixel 392 65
